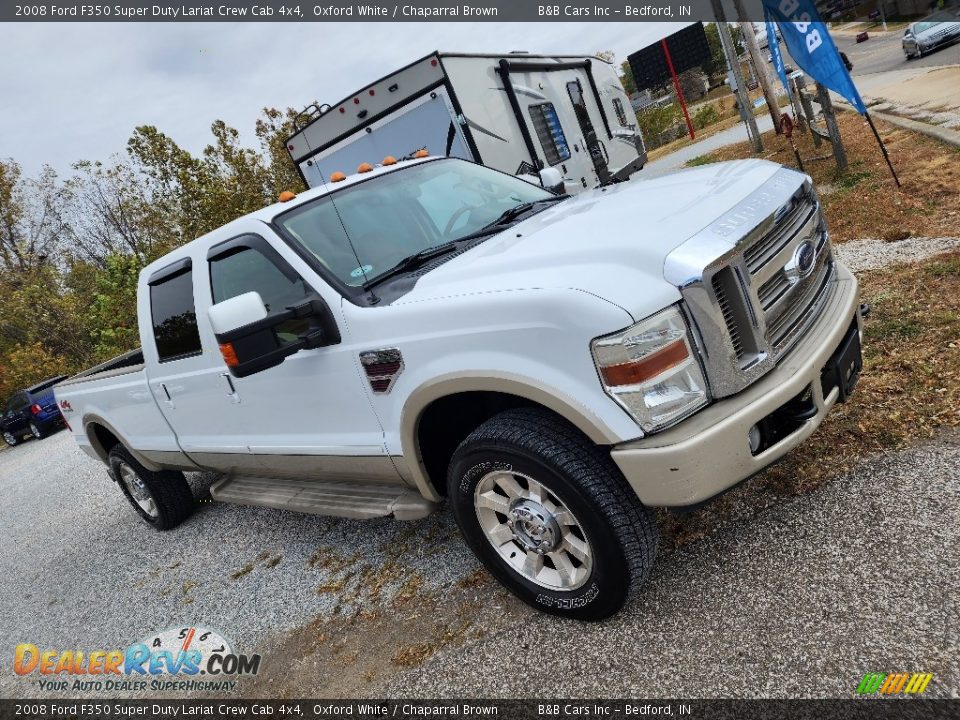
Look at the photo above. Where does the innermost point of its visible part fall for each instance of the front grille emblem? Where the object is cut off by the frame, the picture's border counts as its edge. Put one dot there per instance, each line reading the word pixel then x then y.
pixel 803 261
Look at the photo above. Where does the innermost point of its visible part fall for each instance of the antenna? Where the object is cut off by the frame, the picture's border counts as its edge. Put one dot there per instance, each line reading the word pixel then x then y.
pixel 372 297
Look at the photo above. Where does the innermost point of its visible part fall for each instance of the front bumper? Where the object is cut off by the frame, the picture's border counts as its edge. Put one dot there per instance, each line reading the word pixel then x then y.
pixel 710 452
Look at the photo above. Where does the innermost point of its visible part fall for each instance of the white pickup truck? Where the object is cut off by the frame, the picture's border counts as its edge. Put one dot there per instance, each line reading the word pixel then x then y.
pixel 426 330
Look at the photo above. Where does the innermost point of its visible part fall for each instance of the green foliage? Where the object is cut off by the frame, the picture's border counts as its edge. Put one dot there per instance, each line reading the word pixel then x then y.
pixel 71 250
pixel 700 160
pixel 656 120
pixel 705 115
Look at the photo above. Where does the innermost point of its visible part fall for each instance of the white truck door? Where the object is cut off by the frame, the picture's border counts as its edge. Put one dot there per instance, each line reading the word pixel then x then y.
pixel 309 416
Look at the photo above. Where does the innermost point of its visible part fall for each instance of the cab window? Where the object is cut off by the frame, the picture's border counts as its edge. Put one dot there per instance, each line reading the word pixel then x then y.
pixel 174 315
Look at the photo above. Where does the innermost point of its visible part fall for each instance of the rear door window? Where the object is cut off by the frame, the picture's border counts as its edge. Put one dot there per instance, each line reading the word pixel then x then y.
pixel 174 315
pixel 552 138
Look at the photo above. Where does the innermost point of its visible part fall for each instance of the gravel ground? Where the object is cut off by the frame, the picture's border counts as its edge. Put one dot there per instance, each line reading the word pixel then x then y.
pixel 859 576
pixel 860 255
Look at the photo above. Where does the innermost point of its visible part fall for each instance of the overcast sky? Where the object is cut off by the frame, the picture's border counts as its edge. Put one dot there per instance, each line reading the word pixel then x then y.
pixel 76 91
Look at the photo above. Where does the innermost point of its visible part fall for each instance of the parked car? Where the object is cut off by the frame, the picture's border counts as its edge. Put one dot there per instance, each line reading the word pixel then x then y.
pixel 863 36
pixel 931 33
pixel 32 412
pixel 552 367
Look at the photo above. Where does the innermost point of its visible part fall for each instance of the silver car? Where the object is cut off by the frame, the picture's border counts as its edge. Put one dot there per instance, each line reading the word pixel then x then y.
pixel 930 33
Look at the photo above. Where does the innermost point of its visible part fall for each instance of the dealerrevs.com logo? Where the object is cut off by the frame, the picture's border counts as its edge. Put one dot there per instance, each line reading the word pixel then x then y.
pixel 894 683
pixel 178 659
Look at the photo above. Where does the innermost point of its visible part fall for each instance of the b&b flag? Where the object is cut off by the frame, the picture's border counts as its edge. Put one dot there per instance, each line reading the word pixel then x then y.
pixel 810 45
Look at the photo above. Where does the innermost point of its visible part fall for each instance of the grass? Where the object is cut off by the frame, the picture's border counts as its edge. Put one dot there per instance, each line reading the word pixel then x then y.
pixel 862 202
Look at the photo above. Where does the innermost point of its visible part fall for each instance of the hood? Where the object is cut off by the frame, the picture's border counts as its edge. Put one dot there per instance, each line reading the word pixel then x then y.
pixel 610 242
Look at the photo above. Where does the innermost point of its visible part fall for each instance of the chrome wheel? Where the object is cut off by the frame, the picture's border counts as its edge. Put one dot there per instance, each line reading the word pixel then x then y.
pixel 138 491
pixel 532 530
pixel 35 430
pixel 9 439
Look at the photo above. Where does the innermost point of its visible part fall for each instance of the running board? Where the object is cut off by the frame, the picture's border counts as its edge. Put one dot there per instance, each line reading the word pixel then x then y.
pixel 324 497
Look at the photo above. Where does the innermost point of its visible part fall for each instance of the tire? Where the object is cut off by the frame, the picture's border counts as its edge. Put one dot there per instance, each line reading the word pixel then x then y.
pixel 39 432
pixel 585 503
pixel 10 439
pixel 163 499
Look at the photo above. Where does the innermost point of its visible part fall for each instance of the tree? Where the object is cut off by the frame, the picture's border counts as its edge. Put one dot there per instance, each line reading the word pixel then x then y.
pixel 626 78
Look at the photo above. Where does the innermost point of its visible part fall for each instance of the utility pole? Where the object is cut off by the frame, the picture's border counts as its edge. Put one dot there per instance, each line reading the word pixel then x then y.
pixel 759 62
pixel 730 50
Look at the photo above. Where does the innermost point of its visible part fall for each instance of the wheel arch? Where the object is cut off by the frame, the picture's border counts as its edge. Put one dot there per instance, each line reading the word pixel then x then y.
pixel 102 437
pixel 460 403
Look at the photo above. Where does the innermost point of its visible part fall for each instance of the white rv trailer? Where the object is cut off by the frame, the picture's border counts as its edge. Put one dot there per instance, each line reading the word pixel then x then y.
pixel 518 113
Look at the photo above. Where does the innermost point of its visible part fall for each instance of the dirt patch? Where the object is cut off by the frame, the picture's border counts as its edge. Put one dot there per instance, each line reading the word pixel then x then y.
pixel 862 202
pixel 909 390
pixel 344 655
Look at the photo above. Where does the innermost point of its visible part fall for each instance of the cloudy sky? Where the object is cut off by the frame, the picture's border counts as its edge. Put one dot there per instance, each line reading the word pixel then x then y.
pixel 76 91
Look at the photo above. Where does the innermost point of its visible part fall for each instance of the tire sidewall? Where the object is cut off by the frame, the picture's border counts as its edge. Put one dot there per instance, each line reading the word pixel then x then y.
pixel 605 590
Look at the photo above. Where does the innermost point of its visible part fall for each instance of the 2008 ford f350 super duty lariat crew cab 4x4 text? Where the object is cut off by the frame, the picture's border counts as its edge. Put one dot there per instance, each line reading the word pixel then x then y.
pixel 432 329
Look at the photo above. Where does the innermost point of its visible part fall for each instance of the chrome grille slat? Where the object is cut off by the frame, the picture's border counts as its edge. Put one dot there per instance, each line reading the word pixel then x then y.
pixel 785 328
pixel 728 316
pixel 761 252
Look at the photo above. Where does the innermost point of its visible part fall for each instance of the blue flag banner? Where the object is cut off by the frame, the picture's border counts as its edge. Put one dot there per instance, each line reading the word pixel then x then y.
pixel 774 44
pixel 811 46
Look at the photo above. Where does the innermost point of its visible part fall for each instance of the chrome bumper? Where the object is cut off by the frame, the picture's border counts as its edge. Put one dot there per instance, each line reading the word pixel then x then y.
pixel 710 452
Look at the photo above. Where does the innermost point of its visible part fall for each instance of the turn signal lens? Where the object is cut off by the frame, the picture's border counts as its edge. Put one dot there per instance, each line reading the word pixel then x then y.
pixel 229 354
pixel 337 177
pixel 652 371
pixel 364 167
pixel 638 371
pixel 422 153
pixel 286 196
pixel 389 160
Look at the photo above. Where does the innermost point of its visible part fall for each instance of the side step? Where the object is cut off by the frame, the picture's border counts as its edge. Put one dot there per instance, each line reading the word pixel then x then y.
pixel 324 497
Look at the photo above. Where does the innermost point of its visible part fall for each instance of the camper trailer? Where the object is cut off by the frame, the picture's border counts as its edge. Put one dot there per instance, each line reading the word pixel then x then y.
pixel 517 113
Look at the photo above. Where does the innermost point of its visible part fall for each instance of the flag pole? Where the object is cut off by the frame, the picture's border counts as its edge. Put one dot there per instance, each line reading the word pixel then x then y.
pixel 676 85
pixel 883 147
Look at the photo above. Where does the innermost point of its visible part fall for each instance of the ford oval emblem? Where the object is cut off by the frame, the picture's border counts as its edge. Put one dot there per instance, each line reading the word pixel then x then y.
pixel 806 256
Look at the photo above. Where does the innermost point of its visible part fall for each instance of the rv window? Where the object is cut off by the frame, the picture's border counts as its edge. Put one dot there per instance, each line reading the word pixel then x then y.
pixel 548 129
pixel 621 115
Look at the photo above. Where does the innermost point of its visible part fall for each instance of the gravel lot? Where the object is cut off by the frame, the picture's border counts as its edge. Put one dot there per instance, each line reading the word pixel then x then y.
pixel 795 599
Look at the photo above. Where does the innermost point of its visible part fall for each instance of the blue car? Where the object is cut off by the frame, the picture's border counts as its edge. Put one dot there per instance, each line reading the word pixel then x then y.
pixel 32 413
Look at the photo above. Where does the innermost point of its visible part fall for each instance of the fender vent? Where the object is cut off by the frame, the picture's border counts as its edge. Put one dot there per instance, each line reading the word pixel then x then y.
pixel 382 368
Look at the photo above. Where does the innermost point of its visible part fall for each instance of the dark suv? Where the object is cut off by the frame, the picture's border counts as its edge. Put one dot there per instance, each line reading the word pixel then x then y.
pixel 32 413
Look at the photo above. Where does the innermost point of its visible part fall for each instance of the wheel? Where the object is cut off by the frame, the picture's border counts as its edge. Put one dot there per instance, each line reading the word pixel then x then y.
pixel 550 515
pixel 38 432
pixel 162 498
pixel 10 439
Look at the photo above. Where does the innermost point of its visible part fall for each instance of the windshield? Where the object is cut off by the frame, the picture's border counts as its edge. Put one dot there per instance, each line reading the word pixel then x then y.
pixel 393 216
pixel 933 22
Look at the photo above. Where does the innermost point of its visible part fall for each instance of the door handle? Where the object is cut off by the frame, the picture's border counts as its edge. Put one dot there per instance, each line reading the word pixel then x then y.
pixel 231 389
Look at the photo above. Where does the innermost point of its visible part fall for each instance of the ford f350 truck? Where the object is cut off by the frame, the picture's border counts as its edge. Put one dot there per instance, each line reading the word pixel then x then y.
pixel 433 330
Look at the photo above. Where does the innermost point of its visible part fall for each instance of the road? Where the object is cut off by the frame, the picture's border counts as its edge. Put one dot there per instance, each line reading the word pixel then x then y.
pixel 883 53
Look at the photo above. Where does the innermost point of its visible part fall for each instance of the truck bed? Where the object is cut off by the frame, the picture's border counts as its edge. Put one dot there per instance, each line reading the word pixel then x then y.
pixel 122 364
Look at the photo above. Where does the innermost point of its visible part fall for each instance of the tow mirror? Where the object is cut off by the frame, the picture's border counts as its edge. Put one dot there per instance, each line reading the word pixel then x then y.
pixel 248 335
pixel 551 179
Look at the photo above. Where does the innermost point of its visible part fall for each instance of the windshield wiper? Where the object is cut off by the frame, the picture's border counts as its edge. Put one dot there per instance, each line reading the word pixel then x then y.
pixel 413 261
pixel 516 211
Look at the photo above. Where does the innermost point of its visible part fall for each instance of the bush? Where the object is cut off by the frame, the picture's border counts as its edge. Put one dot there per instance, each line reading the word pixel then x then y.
pixel 706 115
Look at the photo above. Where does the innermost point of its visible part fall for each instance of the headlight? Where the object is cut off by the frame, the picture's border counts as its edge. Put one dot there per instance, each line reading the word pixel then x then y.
pixel 651 370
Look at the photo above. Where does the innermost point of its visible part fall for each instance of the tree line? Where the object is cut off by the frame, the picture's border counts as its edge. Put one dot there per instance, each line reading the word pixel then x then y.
pixel 72 247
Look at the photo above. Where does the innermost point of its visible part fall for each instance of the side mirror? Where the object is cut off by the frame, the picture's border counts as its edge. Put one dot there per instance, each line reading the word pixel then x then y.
pixel 552 179
pixel 247 333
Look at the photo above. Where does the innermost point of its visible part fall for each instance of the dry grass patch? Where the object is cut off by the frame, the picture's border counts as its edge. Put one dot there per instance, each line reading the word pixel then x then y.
pixel 862 202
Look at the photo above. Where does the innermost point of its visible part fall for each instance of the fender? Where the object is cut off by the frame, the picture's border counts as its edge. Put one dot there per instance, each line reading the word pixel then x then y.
pixel 501 382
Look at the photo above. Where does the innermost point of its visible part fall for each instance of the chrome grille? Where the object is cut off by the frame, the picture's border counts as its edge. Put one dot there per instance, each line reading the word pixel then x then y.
pixel 755 292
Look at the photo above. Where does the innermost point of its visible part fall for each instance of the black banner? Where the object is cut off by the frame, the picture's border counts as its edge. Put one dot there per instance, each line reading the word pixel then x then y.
pixel 348 11
pixel 854 709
